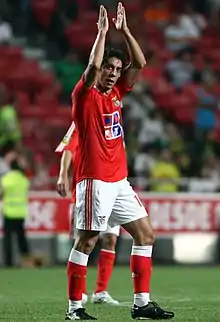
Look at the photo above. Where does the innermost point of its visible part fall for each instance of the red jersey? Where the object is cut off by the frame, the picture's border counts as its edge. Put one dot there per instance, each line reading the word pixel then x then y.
pixel 98 120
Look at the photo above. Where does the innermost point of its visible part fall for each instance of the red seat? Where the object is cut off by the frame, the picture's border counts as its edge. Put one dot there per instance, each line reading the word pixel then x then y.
pixel 44 81
pixel 160 87
pixel 184 116
pixel 164 55
pixel 189 91
pixel 11 53
pixel 22 99
pixel 133 6
pixel 36 112
pixel 151 73
pixel 43 10
pixel 217 90
pixel 183 108
pixel 163 92
pixel 46 98
pixel 23 77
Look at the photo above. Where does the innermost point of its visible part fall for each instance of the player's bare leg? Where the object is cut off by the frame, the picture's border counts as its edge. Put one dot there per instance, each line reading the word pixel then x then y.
pixel 105 267
pixel 141 268
pixel 76 272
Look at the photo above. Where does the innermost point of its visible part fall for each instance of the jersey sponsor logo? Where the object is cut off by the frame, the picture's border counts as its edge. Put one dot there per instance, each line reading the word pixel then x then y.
pixel 112 126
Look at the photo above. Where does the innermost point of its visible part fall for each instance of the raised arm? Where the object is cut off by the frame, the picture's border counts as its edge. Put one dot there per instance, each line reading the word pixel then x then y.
pixel 137 59
pixel 96 55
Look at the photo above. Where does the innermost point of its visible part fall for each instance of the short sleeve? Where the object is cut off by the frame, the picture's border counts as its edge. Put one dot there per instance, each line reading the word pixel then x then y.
pixel 69 138
pixel 73 143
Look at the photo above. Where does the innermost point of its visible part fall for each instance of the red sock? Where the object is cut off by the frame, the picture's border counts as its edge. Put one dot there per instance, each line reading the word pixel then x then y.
pixel 84 287
pixel 105 266
pixel 76 272
pixel 141 267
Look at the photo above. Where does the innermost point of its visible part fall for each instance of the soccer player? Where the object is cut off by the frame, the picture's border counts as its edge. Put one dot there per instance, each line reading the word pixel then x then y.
pixel 103 194
pixel 68 148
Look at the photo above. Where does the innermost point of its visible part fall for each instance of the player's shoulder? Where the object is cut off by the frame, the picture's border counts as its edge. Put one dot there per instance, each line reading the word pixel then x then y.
pixel 80 90
pixel 116 90
pixel 121 88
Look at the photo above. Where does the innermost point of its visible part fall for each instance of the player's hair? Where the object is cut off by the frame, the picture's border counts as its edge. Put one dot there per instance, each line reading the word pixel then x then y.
pixel 112 52
pixel 16 166
pixel 9 146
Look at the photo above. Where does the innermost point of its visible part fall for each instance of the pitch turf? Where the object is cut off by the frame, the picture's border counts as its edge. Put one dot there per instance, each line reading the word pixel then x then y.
pixel 40 295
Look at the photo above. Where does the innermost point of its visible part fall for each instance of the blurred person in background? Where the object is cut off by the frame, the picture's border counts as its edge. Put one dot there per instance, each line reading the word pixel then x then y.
pixel 165 174
pixel 144 161
pixel 20 11
pixel 178 148
pixel 157 13
pixel 206 109
pixel 9 123
pixel 138 103
pixel 180 33
pixel 7 155
pixel 6 32
pixel 68 147
pixel 68 71
pixel 180 69
pixel 197 18
pixel 14 188
pixel 182 162
pixel 68 10
pixel 41 180
pixel 152 129
pixel 132 143
pixel 207 73
pixel 176 142
pixel 211 167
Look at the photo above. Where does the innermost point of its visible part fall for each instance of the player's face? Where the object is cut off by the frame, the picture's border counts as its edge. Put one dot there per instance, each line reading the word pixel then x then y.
pixel 110 73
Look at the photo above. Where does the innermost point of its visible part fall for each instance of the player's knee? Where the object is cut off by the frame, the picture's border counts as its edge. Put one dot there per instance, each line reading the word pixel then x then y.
pixel 109 242
pixel 144 237
pixel 86 241
pixel 141 231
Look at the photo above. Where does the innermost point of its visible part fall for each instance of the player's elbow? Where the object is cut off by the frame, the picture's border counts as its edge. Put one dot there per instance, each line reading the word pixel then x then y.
pixel 91 74
pixel 139 64
pixel 143 63
pixel 94 67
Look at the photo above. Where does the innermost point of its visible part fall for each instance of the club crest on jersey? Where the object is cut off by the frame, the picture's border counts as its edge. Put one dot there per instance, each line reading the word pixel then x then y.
pixel 116 102
pixel 112 126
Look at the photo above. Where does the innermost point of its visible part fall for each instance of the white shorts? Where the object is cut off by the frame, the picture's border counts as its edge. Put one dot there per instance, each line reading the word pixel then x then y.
pixel 110 230
pixel 99 204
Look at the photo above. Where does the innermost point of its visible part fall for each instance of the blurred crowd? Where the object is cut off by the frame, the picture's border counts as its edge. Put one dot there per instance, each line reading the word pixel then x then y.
pixel 171 117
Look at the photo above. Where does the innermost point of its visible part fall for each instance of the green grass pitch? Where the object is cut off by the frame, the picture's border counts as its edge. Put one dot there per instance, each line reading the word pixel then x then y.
pixel 40 294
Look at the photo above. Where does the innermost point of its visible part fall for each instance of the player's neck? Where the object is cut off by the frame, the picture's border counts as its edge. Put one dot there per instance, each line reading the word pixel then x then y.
pixel 102 90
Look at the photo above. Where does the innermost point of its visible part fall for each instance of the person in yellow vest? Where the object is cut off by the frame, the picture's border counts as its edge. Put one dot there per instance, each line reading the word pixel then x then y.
pixel 9 124
pixel 14 187
pixel 165 174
